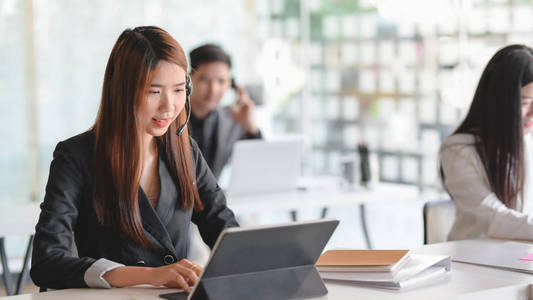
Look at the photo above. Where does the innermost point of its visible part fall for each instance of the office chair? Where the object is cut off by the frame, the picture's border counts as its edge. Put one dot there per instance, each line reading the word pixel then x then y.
pixel 439 216
pixel 6 274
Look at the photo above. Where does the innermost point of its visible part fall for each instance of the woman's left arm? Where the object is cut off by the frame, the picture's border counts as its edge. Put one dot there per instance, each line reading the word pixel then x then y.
pixel 507 223
pixel 216 216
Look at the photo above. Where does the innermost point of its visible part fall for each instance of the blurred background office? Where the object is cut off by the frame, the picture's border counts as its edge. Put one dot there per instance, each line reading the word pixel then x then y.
pixel 395 75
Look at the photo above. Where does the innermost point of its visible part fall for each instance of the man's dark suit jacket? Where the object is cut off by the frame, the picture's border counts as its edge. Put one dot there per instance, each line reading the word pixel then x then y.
pixel 228 132
pixel 67 212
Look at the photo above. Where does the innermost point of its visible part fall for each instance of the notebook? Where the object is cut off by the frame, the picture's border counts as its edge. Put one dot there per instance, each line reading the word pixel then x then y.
pixel 362 260
pixel 420 269
pixel 260 166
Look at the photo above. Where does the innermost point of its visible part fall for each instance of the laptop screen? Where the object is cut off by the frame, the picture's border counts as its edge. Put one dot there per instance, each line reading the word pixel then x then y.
pixel 259 166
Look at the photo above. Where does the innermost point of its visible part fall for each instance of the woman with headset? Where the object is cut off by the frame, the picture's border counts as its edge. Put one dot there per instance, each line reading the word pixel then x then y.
pixel 126 190
pixel 487 163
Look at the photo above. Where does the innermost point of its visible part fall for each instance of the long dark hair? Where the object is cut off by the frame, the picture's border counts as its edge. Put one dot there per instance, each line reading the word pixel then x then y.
pixel 116 160
pixel 495 119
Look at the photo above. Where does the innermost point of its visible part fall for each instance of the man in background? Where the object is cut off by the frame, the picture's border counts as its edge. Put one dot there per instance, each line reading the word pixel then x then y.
pixel 216 128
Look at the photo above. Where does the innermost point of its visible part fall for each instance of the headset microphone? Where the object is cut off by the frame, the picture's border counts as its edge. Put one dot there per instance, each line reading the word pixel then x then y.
pixel 188 92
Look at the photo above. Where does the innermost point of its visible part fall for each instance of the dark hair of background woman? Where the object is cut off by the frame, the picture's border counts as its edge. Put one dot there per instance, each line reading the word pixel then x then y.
pixel 495 118
pixel 116 160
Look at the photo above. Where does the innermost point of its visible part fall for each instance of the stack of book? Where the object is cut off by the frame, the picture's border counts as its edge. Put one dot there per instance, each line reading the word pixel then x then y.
pixel 392 269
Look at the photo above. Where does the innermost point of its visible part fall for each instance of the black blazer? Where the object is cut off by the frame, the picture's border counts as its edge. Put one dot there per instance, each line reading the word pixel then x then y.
pixel 67 212
pixel 228 133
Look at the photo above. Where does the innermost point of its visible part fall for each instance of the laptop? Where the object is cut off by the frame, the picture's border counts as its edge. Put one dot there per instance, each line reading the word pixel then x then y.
pixel 266 262
pixel 260 166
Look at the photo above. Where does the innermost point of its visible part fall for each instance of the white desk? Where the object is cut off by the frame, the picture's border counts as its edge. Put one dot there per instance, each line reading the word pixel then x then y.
pixel 17 219
pixel 328 195
pixel 465 281
pixel 322 196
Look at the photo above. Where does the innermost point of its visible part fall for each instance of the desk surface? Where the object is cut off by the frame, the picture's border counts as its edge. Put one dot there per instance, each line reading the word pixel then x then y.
pixel 320 196
pixel 464 282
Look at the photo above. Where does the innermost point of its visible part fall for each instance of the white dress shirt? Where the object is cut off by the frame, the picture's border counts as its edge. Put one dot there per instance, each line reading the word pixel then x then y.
pixel 94 276
pixel 479 212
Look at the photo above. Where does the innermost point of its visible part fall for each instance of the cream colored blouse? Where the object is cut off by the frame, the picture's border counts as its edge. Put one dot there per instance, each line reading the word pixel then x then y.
pixel 479 213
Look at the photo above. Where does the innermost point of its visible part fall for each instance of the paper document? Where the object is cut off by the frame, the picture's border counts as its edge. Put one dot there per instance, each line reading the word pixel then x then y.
pixel 420 269
pixel 503 255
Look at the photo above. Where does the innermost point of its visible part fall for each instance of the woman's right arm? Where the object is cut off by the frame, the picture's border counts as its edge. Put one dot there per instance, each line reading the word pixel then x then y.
pixel 182 275
pixel 53 265
pixel 465 180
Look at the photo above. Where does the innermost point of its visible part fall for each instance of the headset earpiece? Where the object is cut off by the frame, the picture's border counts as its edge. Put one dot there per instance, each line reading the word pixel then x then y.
pixel 188 86
pixel 188 92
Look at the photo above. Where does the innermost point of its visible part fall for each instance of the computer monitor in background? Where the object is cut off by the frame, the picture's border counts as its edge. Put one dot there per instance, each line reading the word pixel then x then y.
pixel 265 166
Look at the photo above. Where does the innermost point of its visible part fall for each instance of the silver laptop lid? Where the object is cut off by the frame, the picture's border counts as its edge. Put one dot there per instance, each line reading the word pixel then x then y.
pixel 260 166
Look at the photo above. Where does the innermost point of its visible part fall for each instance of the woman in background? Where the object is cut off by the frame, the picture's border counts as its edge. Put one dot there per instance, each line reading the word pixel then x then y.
pixel 126 190
pixel 487 163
